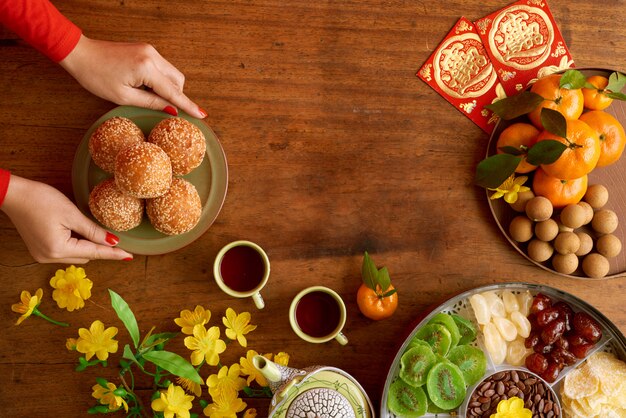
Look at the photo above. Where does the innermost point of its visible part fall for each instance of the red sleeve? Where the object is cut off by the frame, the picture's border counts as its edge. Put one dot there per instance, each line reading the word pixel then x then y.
pixel 5 176
pixel 40 24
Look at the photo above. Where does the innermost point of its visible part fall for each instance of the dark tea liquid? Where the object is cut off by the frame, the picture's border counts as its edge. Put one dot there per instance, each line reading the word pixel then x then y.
pixel 242 268
pixel 318 314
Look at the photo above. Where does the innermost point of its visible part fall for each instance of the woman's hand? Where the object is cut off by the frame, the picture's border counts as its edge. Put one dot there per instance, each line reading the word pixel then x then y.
pixel 118 72
pixel 45 219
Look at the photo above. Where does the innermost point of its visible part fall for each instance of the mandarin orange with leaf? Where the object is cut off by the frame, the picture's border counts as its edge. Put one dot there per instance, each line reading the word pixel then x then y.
pixel 521 136
pixel 581 154
pixel 568 102
pixel 596 99
pixel 560 192
pixel 611 134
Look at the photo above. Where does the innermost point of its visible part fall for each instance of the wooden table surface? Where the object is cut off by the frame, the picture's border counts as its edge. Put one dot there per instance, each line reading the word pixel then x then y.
pixel 334 147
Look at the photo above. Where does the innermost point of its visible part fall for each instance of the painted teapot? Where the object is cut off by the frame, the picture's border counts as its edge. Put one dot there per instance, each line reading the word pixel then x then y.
pixel 315 392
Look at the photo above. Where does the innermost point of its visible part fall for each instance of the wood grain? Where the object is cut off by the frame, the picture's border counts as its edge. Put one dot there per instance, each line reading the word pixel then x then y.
pixel 334 147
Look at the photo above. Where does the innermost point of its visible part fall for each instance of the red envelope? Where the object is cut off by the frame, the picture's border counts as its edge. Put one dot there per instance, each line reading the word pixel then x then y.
pixel 460 70
pixel 524 43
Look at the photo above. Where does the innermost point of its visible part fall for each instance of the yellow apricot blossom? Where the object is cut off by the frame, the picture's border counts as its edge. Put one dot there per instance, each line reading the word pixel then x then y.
pixel 189 319
pixel 106 397
pixel 226 380
pixel 237 326
pixel 205 345
pixel 97 341
pixel 173 403
pixel 71 288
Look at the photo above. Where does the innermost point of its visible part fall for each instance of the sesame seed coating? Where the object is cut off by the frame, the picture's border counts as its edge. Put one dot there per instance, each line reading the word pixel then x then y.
pixel 182 141
pixel 178 210
pixel 114 209
pixel 110 138
pixel 143 171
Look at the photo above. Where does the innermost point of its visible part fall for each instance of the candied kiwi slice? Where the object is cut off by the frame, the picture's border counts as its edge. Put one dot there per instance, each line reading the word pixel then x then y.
pixel 415 364
pixel 466 328
pixel 445 385
pixel 434 409
pixel 405 400
pixel 448 322
pixel 415 342
pixel 471 361
pixel 437 336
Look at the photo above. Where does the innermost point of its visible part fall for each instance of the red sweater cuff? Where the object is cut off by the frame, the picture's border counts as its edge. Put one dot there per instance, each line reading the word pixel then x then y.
pixel 5 176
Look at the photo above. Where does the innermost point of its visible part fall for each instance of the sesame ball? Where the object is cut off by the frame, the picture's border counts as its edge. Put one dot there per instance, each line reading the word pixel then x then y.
pixel 182 141
pixel 114 209
pixel 178 210
pixel 110 138
pixel 143 171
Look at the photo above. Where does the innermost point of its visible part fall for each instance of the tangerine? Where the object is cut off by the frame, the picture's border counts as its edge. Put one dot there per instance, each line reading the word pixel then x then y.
pixel 374 305
pixel 568 102
pixel 596 99
pixel 521 136
pixel 560 192
pixel 580 155
pixel 611 134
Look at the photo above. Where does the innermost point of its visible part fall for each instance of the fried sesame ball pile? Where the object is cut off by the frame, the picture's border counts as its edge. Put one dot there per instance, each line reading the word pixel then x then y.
pixel 144 175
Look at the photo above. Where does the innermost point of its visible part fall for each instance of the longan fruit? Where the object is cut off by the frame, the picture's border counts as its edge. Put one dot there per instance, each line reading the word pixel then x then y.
pixel 521 228
pixel 604 221
pixel 588 211
pixel 546 230
pixel 566 243
pixel 522 198
pixel 539 250
pixel 565 263
pixel 597 195
pixel 539 208
pixel 586 243
pixel 596 265
pixel 609 245
pixel 573 216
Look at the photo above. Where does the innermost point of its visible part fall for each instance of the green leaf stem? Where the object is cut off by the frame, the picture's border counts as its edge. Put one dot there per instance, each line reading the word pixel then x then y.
pixel 126 315
pixel 493 171
pixel 174 364
pixel 515 106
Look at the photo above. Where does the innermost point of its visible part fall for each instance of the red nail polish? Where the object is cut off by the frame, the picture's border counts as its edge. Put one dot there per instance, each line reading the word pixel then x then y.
pixel 111 239
pixel 202 112
pixel 171 110
pixel 127 259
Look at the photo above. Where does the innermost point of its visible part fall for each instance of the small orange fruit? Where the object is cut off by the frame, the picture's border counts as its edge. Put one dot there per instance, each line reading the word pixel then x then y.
pixel 611 133
pixel 569 102
pixel 596 99
pixel 580 156
pixel 521 136
pixel 374 305
pixel 560 192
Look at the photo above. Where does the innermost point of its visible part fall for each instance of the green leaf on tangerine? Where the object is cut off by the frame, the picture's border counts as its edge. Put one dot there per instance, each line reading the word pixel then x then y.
pixel 174 364
pixel 126 315
pixel 391 292
pixel 572 79
pixel 511 150
pixel 493 171
pixel 617 96
pixel 545 152
pixel 514 106
pixel 383 279
pixel 554 122
pixel 369 272
pixel 617 81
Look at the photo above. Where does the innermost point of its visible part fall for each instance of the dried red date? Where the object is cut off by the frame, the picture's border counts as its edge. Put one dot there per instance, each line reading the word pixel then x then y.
pixel 563 357
pixel 540 302
pixel 532 340
pixel 546 316
pixel 582 350
pixel 536 363
pixel 587 327
pixel 561 343
pixel 542 348
pixel 566 312
pixel 576 340
pixel 553 331
pixel 551 372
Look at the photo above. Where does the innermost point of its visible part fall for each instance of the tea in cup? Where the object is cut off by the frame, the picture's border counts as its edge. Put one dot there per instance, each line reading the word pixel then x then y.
pixel 318 314
pixel 241 269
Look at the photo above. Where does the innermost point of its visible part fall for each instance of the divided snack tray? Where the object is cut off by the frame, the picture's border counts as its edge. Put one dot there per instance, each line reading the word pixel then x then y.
pixel 612 340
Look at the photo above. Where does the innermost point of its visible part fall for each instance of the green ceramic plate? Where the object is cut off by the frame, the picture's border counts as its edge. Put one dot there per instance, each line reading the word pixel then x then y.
pixel 210 179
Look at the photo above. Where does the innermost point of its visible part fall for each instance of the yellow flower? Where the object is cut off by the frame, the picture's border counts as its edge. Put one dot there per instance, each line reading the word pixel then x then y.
pixel 250 413
pixel 96 340
pixel 189 386
pixel 106 397
pixel 205 345
pixel 510 188
pixel 512 408
pixel 226 380
pixel 248 369
pixel 70 344
pixel 27 304
pixel 282 358
pixel 190 319
pixel 173 403
pixel 237 326
pixel 71 288
pixel 225 406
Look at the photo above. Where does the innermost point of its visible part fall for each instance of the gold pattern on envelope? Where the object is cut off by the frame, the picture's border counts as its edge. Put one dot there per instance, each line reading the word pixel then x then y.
pixel 462 27
pixel 426 72
pixel 462 68
pixel 521 37
pixel 482 25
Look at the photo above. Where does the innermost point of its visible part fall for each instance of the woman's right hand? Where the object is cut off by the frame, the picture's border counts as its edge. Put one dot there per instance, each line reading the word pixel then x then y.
pixel 46 218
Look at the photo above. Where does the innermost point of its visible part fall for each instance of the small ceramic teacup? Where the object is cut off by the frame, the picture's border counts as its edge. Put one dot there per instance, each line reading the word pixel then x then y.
pixel 318 314
pixel 241 269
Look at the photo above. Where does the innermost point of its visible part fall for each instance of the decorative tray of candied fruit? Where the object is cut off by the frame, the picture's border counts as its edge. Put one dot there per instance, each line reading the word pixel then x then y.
pixel 509 347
